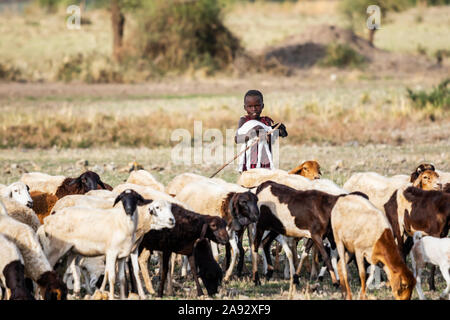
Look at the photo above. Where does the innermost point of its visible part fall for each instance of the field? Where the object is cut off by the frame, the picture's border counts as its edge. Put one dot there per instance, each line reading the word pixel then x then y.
pixel 348 120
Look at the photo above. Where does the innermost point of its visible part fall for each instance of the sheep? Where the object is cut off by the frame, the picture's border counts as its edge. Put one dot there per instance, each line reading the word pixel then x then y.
pixel 257 176
pixel 208 268
pixel 145 178
pixel 12 274
pixel 239 209
pixel 37 266
pixel 87 181
pixel 189 226
pixel 84 201
pixel 180 181
pixel 147 192
pixel 293 213
pixel 18 191
pixel 360 228
pixel 380 188
pixel 308 169
pixel 102 193
pixel 38 181
pixel 433 250
pixel 43 203
pixel 95 232
pixel 21 213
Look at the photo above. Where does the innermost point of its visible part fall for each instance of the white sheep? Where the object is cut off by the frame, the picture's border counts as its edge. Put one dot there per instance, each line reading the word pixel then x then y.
pixel 38 181
pixel 217 199
pixel 145 178
pixel 12 274
pixel 17 191
pixel 37 266
pixel 147 192
pixel 360 228
pixel 21 213
pixel 102 193
pixel 95 232
pixel 181 180
pixel 254 177
pixel 427 249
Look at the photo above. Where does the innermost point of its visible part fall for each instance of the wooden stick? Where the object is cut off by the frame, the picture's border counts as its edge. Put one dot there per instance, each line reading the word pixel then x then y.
pixel 254 142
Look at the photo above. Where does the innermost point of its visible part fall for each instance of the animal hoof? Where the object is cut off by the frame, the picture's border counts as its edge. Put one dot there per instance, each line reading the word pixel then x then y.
pixel 269 274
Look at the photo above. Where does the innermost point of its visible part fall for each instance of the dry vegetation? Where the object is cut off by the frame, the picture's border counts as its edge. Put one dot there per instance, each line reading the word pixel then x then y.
pixel 349 120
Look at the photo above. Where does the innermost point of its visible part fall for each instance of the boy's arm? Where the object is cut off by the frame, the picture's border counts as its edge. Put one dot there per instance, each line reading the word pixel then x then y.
pixel 243 138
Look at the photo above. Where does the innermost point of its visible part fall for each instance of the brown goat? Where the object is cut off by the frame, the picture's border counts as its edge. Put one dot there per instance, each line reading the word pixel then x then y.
pixel 309 169
pixel 86 182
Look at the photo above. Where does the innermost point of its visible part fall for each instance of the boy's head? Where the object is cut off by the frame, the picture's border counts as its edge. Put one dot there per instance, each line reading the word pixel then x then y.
pixel 253 103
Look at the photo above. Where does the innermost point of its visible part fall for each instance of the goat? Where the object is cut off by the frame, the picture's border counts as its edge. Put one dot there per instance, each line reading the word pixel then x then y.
pixel 433 250
pixel 189 226
pixel 94 232
pixel 360 228
pixel 12 271
pixel 19 192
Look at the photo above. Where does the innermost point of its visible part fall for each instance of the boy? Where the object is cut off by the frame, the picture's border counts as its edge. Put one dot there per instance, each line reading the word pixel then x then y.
pixel 253 105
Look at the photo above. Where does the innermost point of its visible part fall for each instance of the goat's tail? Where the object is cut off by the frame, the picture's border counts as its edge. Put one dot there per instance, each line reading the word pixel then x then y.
pixel 417 236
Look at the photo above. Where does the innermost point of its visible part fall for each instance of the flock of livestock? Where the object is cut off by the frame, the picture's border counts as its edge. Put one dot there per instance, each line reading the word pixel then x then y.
pixel 58 232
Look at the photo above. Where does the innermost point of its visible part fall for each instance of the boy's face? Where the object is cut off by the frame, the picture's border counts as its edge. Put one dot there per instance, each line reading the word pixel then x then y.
pixel 254 106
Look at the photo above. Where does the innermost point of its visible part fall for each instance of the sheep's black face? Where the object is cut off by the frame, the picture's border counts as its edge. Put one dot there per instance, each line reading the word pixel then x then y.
pixel 90 180
pixel 130 200
pixel 217 226
pixel 248 208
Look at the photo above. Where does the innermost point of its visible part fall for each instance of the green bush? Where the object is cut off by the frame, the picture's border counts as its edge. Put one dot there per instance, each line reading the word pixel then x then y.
pixel 341 56
pixel 438 98
pixel 177 35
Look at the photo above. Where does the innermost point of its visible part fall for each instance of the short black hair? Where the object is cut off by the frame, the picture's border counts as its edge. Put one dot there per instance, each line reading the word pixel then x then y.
pixel 254 93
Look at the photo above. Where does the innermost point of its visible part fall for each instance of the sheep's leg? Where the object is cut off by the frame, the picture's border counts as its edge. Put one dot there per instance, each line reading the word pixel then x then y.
pixel 143 264
pixel 319 244
pixel 266 243
pixel 362 274
pixel 234 246
pixel 431 278
pixel 314 263
pixel 135 263
pixel 241 261
pixel 164 269
pixel 169 280
pixel 256 243
pixel 444 270
pixel 288 252
pixel 419 284
pixel 184 268
pixel 72 262
pixel 191 259
pixel 215 250
pixel 110 269
pixel 306 248
pixel 121 274
pixel 342 270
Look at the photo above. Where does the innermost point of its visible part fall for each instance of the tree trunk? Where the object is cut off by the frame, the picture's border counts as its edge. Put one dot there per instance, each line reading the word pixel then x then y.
pixel 118 22
pixel 371 36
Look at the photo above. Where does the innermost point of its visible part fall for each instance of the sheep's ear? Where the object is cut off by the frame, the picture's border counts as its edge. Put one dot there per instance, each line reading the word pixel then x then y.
pixel 119 197
pixel 28 187
pixel 74 181
pixel 204 228
pixel 100 182
pixel 142 202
